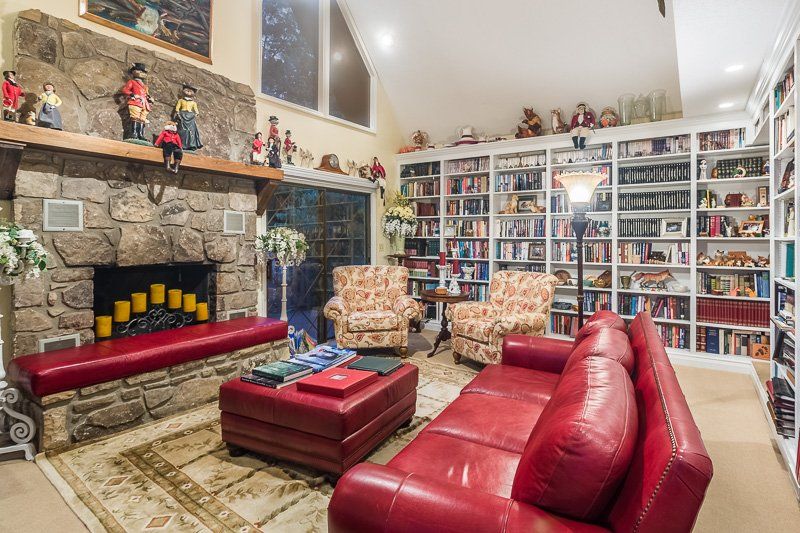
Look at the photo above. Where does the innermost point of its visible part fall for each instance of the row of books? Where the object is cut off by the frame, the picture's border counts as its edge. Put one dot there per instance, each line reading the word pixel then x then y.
pixel 421 268
pixel 784 351
pixel 468 249
pixel 673 336
pixel 722 139
pixel 522 161
pixel 477 292
pixel 598 169
pixel 679 144
pixel 532 267
pixel 732 342
pixel 562 227
pixel 639 227
pixel 596 301
pixel 781 405
pixel 598 153
pixel 420 188
pixel 714 225
pixel 427 209
pixel 593 252
pixel 653 200
pixel 419 169
pixel 664 173
pixel 728 168
pixel 481 272
pixel 647 253
pixel 466 228
pixel 561 324
pixel 734 284
pixel 523 228
pixel 475 164
pixel 601 202
pixel 784 87
pixel 733 312
pixel 669 307
pixel 422 247
pixel 427 228
pixel 520 251
pixel 784 129
pixel 470 206
pixel 522 181
pixel 468 185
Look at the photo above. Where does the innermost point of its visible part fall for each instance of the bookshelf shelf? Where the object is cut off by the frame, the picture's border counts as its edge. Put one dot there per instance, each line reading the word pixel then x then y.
pixel 519 169
pixel 789 284
pixel 417 178
pixel 654 293
pixel 733 151
pixel 731 326
pixel 737 298
pixel 735 239
pixel 658 185
pixel 787 152
pixel 659 320
pixel 787 195
pixel 730 209
pixel 788 102
pixel 731 181
pixel 472 173
pixel 744 269
pixel 658 266
pixel 647 158
pixel 582 164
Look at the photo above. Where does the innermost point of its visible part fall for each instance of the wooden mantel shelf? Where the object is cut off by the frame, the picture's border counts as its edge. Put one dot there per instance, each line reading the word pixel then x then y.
pixel 16 137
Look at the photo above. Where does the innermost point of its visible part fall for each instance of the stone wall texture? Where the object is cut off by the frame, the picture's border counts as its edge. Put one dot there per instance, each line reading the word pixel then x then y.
pixel 89 69
pixel 90 412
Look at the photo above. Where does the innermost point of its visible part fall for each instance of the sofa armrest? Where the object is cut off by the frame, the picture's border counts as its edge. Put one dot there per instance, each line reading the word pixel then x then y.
pixel 407 307
pixel 335 308
pixel 372 497
pixel 537 353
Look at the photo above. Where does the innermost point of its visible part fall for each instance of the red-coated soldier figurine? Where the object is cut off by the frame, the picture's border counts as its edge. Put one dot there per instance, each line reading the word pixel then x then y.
pixel 139 101
pixel 12 93
pixel 172 147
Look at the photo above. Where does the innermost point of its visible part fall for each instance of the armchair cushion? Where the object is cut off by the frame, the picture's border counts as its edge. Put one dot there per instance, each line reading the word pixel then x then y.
pixel 521 323
pixel 372 321
pixel 477 329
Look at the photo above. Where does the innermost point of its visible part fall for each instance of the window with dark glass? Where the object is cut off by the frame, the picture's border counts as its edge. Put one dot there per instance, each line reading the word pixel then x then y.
pixel 349 79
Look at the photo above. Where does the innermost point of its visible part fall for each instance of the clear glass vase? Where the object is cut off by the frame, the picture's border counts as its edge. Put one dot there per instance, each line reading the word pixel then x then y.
pixel 658 104
pixel 641 107
pixel 625 103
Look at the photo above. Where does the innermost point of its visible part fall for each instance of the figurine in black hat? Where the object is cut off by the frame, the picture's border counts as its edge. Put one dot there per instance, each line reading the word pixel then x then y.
pixel 140 103
pixel 186 112
pixel 12 93
pixel 274 132
pixel 289 147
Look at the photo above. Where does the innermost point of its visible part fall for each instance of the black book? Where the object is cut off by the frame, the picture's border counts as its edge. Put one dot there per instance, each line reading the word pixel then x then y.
pixel 265 382
pixel 382 365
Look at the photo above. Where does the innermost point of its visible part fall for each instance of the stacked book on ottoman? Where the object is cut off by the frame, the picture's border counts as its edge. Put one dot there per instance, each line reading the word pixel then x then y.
pixel 281 373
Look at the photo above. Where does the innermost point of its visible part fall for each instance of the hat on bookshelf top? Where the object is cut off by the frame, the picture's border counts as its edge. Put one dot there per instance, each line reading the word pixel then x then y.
pixel 467 136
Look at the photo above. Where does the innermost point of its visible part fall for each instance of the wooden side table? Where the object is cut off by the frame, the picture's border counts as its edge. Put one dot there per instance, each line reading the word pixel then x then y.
pixel 444 299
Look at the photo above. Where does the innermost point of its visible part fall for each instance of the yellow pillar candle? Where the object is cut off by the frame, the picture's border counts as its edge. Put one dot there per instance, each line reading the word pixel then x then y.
pixel 139 302
pixel 157 293
pixel 189 303
pixel 122 311
pixel 174 299
pixel 102 326
pixel 202 312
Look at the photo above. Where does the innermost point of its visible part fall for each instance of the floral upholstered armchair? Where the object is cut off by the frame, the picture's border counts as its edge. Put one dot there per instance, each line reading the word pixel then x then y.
pixel 519 302
pixel 371 307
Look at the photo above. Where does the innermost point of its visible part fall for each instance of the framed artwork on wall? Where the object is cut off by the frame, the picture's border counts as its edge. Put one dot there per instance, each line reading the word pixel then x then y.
pixel 180 26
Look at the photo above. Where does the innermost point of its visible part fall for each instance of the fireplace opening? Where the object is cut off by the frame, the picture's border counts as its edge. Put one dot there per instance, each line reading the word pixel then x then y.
pixel 131 301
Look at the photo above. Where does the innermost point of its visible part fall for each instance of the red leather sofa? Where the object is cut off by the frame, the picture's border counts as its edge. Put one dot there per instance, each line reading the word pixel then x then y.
pixel 590 435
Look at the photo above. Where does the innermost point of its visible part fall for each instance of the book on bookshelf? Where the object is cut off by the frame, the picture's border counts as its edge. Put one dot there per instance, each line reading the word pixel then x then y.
pixel 419 169
pixel 679 144
pixel 420 188
pixel 653 200
pixel 520 251
pixel 466 228
pixel 739 167
pixel 518 182
pixel 733 312
pixel 737 285
pixel 468 249
pixel 562 228
pixel 468 206
pixel 593 252
pixel 474 164
pixel 523 228
pixel 654 253
pixel 722 139
pixel 667 307
pixel 663 173
pixel 595 153
pixel 784 129
pixel 521 161
pixel 732 342
pixel 468 185
pixel 783 88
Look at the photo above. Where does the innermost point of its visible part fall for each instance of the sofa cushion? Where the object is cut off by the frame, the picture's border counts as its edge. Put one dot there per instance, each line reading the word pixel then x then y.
pixel 372 320
pixel 609 343
pixel 580 449
pixel 600 320
pixel 514 382
pixel 477 329
pixel 492 421
pixel 459 462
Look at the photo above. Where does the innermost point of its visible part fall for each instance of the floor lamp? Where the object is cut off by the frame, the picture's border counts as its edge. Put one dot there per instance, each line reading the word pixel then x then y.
pixel 580 187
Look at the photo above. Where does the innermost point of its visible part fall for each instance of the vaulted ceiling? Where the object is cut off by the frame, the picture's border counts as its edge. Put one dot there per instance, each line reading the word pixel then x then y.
pixel 449 63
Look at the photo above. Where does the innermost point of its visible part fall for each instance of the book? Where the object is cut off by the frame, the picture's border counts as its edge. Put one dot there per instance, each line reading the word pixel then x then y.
pixel 338 382
pixel 265 382
pixel 319 363
pixel 382 365
pixel 282 371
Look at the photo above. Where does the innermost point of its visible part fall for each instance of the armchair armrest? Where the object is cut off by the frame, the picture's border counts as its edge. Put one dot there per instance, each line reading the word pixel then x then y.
pixel 524 323
pixel 537 353
pixel 467 310
pixel 371 497
pixel 408 307
pixel 335 308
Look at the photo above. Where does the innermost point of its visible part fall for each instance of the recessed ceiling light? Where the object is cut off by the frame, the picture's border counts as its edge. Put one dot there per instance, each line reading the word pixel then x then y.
pixel 734 68
pixel 725 105
pixel 337 56
pixel 386 40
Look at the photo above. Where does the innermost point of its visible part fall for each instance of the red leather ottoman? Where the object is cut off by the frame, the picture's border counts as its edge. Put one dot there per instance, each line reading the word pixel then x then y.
pixel 324 432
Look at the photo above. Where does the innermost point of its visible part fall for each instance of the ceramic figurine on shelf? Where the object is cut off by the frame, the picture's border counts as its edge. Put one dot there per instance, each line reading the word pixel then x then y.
pixel 273 153
pixel 703 170
pixel 274 132
pixel 171 146
pixel 30 118
pixel 379 176
pixel 608 117
pixel 581 125
pixel 259 153
pixel 289 147
pixel 557 123
pixel 12 94
pixel 186 116
pixel 49 115
pixel 420 139
pixel 511 206
pixel 791 221
pixel 306 158
pixel 139 101
pixel 531 125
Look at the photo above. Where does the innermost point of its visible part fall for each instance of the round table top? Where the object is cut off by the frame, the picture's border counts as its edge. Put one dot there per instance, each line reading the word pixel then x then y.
pixel 431 296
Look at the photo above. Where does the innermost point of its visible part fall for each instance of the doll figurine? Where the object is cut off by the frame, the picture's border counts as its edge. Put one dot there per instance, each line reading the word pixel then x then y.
pixel 172 147
pixel 274 132
pixel 289 147
pixel 12 93
pixel 259 155
pixel 140 103
pixel 582 125
pixel 186 116
pixel 379 177
pixel 273 153
pixel 703 170
pixel 531 125
pixel 49 115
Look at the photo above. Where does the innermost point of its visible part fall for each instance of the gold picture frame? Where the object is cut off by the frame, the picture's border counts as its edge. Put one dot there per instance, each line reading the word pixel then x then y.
pixel 86 11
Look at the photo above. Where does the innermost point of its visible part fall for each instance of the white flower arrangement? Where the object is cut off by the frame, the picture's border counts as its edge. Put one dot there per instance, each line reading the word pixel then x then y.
pixel 288 246
pixel 21 256
pixel 399 220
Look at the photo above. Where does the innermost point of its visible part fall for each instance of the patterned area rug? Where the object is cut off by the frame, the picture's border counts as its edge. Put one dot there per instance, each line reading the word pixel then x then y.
pixel 176 475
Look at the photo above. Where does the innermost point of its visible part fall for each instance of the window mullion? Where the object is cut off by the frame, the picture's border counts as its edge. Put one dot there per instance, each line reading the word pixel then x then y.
pixel 325 53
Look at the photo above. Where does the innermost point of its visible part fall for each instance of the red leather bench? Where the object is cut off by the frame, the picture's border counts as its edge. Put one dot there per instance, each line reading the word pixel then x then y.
pixel 48 373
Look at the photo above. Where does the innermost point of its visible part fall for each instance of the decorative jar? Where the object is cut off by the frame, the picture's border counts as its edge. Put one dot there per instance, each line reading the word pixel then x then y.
pixel 625 104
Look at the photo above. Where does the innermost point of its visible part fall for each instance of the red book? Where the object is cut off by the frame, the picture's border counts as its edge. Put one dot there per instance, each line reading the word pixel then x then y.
pixel 339 382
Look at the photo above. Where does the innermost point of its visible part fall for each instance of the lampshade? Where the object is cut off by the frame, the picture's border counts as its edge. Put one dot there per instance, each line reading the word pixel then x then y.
pixel 580 186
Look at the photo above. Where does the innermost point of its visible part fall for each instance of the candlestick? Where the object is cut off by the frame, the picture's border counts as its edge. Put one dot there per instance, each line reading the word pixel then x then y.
pixel 189 303
pixel 122 311
pixel 139 302
pixel 102 326
pixel 157 293
pixel 174 298
pixel 442 258
pixel 202 311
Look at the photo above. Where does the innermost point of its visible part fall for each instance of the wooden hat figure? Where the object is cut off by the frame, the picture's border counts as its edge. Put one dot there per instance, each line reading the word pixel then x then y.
pixel 12 94
pixel 289 147
pixel 172 147
pixel 49 116
pixel 379 176
pixel 186 112
pixel 274 152
pixel 139 102
pixel 581 125
pixel 274 132
pixel 557 123
pixel 259 154
pixel 531 125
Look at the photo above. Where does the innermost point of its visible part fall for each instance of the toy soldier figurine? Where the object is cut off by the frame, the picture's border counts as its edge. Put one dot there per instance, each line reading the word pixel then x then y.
pixel 379 176
pixel 186 115
pixel 289 147
pixel 582 125
pixel 274 132
pixel 12 92
pixel 49 115
pixel 139 101
pixel 172 147
pixel 273 153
